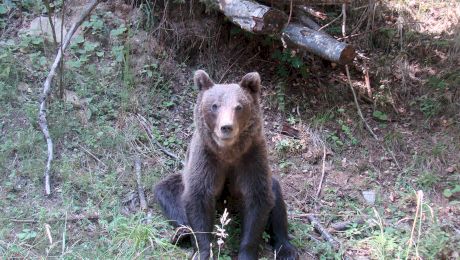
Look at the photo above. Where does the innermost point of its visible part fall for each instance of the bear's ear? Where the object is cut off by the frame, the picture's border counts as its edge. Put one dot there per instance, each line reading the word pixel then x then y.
pixel 202 80
pixel 251 81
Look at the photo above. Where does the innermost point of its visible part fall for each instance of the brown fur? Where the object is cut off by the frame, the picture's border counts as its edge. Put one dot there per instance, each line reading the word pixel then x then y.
pixel 228 152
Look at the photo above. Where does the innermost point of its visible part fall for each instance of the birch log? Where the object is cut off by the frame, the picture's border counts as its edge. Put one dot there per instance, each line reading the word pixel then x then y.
pixel 319 43
pixel 254 17
pixel 304 2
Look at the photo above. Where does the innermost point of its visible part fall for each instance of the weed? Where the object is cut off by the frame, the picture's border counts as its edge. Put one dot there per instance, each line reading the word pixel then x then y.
pixel 288 145
pixel 437 83
pixel 427 179
pixel 288 59
pixel 380 115
pixel 429 106
pixel 320 119
pixel 281 96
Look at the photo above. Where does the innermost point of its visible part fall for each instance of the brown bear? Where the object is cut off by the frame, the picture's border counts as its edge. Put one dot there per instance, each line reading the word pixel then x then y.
pixel 228 155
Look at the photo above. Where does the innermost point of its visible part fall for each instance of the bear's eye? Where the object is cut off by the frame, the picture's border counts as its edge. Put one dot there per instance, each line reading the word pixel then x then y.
pixel 238 108
pixel 214 107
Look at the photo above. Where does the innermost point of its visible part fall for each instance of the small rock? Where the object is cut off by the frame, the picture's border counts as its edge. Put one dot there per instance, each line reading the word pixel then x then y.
pixel 41 26
pixel 369 197
pixel 344 162
pixel 451 169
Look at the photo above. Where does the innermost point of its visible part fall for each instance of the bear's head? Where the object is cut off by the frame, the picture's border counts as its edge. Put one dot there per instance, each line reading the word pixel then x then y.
pixel 228 111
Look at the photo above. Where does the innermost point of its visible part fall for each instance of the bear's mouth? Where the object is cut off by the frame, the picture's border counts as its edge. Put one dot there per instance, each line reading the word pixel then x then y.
pixel 224 141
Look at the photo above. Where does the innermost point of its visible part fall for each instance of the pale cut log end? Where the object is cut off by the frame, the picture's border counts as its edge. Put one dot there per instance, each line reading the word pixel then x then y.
pixel 272 22
pixel 347 55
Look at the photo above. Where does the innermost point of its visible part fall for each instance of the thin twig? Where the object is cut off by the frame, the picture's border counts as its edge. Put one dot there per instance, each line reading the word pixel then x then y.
pixel 140 188
pixel 344 19
pixel 64 234
pixel 92 155
pixel 61 64
pixel 349 80
pixel 50 18
pixel 418 211
pixel 145 124
pixel 47 91
pixel 329 23
pixel 318 192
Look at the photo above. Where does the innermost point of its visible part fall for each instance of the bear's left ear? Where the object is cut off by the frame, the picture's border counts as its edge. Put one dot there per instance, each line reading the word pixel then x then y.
pixel 202 80
pixel 251 81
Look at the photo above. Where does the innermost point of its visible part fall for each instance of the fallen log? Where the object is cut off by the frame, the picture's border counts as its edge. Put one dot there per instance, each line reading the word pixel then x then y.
pixel 319 43
pixel 307 21
pixel 254 17
pixel 303 2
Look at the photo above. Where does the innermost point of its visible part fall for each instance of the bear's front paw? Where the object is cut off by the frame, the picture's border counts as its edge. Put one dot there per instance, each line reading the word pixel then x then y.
pixel 286 251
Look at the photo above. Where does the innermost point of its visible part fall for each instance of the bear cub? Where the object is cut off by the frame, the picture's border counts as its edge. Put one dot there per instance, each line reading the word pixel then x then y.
pixel 227 160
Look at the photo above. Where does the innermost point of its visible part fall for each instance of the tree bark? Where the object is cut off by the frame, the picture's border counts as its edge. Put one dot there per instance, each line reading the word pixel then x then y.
pixel 319 43
pixel 304 2
pixel 254 17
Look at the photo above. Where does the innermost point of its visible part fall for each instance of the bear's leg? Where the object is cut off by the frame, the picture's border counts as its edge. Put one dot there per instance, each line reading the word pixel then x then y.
pixel 168 194
pixel 200 209
pixel 202 186
pixel 278 227
pixel 254 182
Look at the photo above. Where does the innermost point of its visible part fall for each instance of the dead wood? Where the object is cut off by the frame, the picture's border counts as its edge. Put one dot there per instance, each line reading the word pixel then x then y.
pixel 254 17
pixel 145 124
pixel 344 225
pixel 307 21
pixel 323 231
pixel 309 10
pixel 73 218
pixel 47 91
pixel 303 2
pixel 319 43
pixel 323 171
pixel 140 188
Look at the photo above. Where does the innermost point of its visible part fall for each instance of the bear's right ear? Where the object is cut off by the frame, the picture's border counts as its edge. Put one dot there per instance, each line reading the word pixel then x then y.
pixel 251 82
pixel 202 80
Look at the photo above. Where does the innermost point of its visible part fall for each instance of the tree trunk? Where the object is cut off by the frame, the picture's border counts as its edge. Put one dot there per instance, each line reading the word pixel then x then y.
pixel 254 17
pixel 319 43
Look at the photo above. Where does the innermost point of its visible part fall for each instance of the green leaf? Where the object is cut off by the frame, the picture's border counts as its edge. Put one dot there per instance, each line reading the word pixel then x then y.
pixel 78 39
pixel 37 40
pixel 74 63
pixel 380 115
pixel 296 62
pixel 3 9
pixel 118 31
pixel 447 193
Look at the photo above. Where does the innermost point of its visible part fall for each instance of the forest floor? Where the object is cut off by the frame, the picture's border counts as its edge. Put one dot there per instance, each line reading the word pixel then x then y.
pixel 128 62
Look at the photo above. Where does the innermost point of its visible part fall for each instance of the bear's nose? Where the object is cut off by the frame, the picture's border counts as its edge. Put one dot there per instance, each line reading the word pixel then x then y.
pixel 226 129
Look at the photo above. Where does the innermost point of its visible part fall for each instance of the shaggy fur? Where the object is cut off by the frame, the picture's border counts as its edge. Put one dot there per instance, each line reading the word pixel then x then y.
pixel 228 152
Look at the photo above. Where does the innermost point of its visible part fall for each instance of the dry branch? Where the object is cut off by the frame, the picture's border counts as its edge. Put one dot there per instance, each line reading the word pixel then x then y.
pixel 344 225
pixel 254 17
pixel 307 21
pixel 323 231
pixel 319 43
pixel 323 170
pixel 47 91
pixel 140 188
pixel 312 12
pixel 145 124
pixel 72 218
